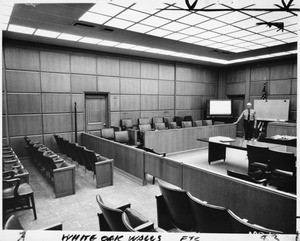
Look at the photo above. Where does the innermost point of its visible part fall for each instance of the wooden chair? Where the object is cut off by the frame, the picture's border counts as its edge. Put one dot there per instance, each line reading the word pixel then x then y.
pixel 159 126
pixel 122 137
pixel 13 223
pixel 239 225
pixel 258 158
pixel 157 120
pixel 209 218
pixel 178 120
pixel 167 120
pixel 207 122
pixel 197 123
pixel 17 196
pixel 186 124
pixel 283 170
pixel 172 125
pixel 178 207
pixel 260 179
pixel 108 133
pixel 188 118
pixel 144 121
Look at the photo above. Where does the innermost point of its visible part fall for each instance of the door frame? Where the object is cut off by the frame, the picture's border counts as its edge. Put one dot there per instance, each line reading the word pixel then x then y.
pixel 95 95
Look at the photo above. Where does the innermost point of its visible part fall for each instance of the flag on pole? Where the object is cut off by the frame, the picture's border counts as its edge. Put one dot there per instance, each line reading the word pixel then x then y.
pixel 264 92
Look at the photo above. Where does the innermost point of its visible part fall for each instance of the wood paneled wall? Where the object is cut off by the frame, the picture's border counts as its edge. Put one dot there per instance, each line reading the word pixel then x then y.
pixel 281 78
pixel 41 85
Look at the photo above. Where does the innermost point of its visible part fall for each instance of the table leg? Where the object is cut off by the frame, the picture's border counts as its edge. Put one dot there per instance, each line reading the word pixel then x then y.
pixel 216 152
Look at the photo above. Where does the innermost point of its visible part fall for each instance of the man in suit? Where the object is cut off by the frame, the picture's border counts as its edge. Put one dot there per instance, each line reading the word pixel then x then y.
pixel 249 116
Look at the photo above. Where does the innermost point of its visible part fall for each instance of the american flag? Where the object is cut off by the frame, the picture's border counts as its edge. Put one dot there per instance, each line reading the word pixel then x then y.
pixel 264 92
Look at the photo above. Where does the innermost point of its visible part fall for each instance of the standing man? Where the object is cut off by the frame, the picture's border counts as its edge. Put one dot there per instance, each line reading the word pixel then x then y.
pixel 249 121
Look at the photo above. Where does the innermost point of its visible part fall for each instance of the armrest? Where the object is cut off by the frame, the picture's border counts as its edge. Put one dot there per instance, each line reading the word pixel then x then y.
pixel 152 151
pixel 57 226
pixel 8 174
pixel 116 128
pixel 145 227
pixel 104 162
pixel 123 207
pixel 62 169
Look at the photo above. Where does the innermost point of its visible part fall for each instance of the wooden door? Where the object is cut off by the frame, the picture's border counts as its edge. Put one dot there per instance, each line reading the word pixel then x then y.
pixel 238 105
pixel 96 112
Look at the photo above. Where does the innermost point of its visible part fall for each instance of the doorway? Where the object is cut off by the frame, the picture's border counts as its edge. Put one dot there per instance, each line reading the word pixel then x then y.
pixel 96 112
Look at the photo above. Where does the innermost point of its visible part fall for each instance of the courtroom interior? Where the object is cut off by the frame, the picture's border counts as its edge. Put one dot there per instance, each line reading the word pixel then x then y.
pixel 123 115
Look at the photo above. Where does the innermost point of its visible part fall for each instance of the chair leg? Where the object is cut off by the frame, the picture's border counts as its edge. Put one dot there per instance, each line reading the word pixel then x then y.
pixel 33 206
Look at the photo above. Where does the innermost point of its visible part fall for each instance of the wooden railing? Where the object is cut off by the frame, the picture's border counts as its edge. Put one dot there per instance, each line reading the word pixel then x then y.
pixel 175 140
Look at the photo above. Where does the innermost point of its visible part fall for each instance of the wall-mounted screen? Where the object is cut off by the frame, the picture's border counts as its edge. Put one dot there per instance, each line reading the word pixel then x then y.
pixel 219 108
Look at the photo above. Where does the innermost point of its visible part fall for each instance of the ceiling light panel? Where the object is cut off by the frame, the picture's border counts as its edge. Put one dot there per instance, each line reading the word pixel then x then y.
pixel 217 45
pixel 176 36
pixel 193 19
pixel 69 37
pixel 192 31
pixel 140 28
pixel 133 15
pixel 222 38
pixel 211 24
pixel 238 50
pixel 108 43
pixel 149 7
pixel 46 33
pixel 290 40
pixel 172 15
pixel 205 43
pixel 245 24
pixel 226 29
pixel 106 9
pixel 119 23
pixel 255 46
pixel 262 40
pixel 20 29
pixel 159 32
pixel 175 26
pixel 290 20
pixel 292 27
pixel 252 37
pixel 273 43
pixel 94 18
pixel 208 35
pixel 239 34
pixel 234 42
pixel 191 40
pixel 233 17
pixel 155 21
pixel 90 40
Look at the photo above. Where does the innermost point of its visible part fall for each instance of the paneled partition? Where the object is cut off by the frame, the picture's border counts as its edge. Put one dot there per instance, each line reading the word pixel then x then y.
pixel 40 86
pixel 260 205
pixel 175 140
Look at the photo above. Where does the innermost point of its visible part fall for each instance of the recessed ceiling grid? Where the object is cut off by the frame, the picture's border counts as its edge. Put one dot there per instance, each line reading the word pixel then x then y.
pixel 196 28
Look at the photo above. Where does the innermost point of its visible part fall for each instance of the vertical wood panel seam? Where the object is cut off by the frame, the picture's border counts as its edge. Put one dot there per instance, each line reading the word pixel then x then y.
pixel 41 101
pixel 71 100
pixel 5 94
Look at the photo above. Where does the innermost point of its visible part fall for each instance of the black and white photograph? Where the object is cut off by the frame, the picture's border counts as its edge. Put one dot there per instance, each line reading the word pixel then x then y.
pixel 149 120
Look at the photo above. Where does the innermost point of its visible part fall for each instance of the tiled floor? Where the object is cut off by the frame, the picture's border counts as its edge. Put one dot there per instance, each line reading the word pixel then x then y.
pixel 79 211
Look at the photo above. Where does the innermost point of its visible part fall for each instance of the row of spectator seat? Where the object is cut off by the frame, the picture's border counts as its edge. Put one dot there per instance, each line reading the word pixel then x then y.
pixel 17 194
pixel 52 165
pixel 179 209
pixel 160 123
pixel 84 157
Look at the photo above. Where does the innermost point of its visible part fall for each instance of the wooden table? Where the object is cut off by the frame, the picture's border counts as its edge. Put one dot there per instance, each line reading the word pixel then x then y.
pixel 217 146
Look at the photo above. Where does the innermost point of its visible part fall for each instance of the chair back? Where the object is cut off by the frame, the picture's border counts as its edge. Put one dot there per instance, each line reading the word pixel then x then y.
pixel 172 125
pixel 207 122
pixel 257 154
pixel 159 126
pixel 178 120
pixel 157 120
pixel 285 161
pixel 197 123
pixel 168 119
pixel 135 222
pixel 126 123
pixel 239 225
pixel 108 133
pixel 144 128
pixel 122 136
pixel 112 216
pixel 186 124
pixel 92 159
pixel 179 207
pixel 144 120
pixel 13 223
pixel 188 118
pixel 82 154
pixel 209 218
